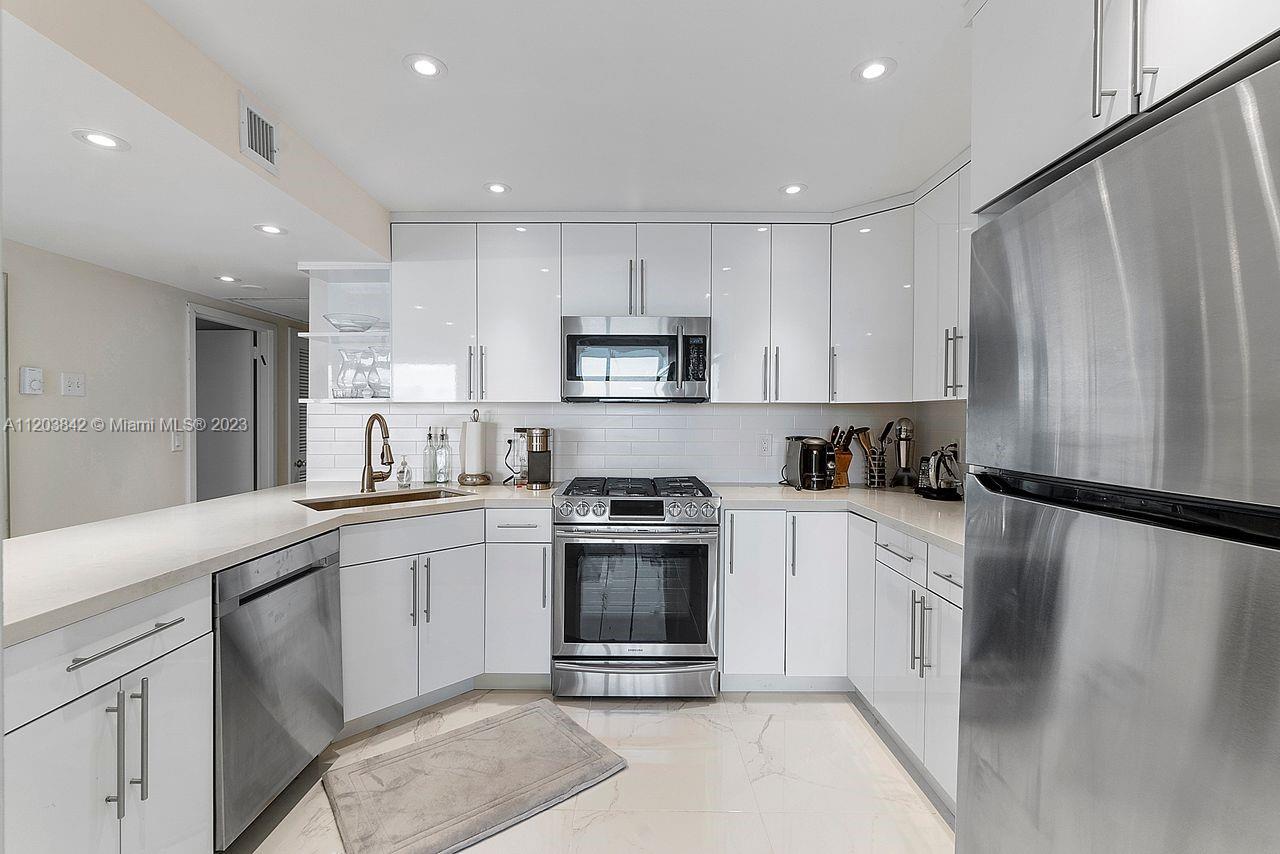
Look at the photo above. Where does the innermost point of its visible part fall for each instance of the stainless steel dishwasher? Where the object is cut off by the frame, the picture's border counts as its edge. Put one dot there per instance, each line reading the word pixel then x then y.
pixel 277 676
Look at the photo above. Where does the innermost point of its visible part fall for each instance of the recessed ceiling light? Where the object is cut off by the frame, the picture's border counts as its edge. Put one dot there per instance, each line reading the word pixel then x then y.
pixel 425 65
pixel 227 279
pixel 270 228
pixel 250 287
pixel 907 285
pixel 874 69
pixel 100 139
pixel 793 189
pixel 725 269
pixel 864 231
pixel 521 228
pixel 546 269
pixel 497 188
pixel 868 334
pixel 418 306
pixel 763 228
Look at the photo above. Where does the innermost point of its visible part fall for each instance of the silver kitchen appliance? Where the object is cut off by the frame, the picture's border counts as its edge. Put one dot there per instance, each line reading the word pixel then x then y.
pixel 941 478
pixel 277 676
pixel 811 463
pixel 635 604
pixel 634 358
pixel 1122 547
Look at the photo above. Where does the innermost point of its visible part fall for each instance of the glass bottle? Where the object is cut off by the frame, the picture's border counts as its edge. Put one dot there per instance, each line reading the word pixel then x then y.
pixel 429 457
pixel 442 458
pixel 404 474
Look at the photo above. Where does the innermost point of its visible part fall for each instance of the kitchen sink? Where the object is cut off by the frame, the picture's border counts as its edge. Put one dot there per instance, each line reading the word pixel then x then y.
pixel 374 499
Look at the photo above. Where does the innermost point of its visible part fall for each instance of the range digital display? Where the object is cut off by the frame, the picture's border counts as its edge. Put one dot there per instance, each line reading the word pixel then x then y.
pixel 636 508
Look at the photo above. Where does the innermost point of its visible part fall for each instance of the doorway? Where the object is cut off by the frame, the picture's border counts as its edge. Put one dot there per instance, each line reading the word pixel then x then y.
pixel 232 399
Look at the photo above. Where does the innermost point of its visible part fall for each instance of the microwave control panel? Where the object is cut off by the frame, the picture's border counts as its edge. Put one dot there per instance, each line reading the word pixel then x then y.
pixel 695 358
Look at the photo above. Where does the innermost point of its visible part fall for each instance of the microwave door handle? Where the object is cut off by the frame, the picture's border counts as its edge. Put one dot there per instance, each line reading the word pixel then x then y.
pixel 679 357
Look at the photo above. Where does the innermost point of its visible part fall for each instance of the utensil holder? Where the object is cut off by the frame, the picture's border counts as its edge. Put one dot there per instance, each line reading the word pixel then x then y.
pixel 875 471
pixel 843 459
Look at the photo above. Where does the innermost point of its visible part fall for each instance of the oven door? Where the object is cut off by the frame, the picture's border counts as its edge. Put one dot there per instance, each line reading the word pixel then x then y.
pixel 635 593
pixel 631 358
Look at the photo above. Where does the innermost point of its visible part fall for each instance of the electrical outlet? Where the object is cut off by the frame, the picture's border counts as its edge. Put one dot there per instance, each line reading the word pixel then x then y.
pixel 72 384
pixel 764 444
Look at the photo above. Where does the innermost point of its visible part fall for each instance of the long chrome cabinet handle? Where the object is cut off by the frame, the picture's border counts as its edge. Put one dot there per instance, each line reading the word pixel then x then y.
pixel 1135 56
pixel 471 363
pixel 77 663
pixel 946 576
pixel 1097 58
pixel 426 612
pixel 946 361
pixel 544 577
pixel 793 545
pixel 517 524
pixel 642 286
pixel 766 373
pixel 118 797
pixel 924 634
pixel 891 550
pixel 956 385
pixel 483 353
pixel 413 606
pixel 777 372
pixel 913 631
pixel 144 777
pixel 631 286
pixel 833 373
pixel 732 541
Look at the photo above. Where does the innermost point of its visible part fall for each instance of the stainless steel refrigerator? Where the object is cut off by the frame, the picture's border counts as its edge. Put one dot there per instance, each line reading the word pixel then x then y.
pixel 1120 687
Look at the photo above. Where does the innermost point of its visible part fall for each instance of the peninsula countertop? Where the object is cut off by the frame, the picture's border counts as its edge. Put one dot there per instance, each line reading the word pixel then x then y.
pixel 55 578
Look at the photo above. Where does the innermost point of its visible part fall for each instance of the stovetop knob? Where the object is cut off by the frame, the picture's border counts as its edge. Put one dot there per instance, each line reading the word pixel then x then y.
pixel 598 508
pixel 674 509
pixel 566 509
pixel 583 508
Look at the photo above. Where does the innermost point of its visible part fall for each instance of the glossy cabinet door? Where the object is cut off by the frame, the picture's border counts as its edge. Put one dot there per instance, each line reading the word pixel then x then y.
pixel 936 276
pixel 969 223
pixel 800 307
pixel 450 617
pixel 517 608
pixel 58 771
pixel 861 540
pixel 899 689
pixel 817 597
pixel 942 692
pixel 518 285
pixel 1183 40
pixel 174 696
pixel 1034 95
pixel 379 634
pixel 755 589
pixel 740 353
pixel 598 269
pixel 675 269
pixel 433 311
pixel 871 298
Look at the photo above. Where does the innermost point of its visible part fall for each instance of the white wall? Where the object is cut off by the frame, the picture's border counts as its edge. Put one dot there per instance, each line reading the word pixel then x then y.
pixel 128 336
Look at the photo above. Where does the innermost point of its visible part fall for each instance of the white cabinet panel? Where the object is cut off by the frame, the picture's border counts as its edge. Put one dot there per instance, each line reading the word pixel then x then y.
pixel 518 282
pixel 598 276
pixel 433 311
pixel 871 301
pixel 407 537
pixel 936 275
pixel 517 608
pixel 817 579
pixel 754 592
pixel 1033 88
pixel 861 541
pixel 740 354
pixel 969 223
pixel 675 269
pixel 899 690
pixel 800 301
pixel 58 770
pixel 1182 40
pixel 451 617
pixel 942 692
pixel 379 635
pixel 177 814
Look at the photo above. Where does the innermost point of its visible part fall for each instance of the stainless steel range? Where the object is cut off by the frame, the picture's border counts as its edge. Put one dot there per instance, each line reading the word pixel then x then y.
pixel 635 588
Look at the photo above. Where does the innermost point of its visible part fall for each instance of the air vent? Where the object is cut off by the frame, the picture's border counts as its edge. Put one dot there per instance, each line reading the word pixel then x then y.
pixel 257 136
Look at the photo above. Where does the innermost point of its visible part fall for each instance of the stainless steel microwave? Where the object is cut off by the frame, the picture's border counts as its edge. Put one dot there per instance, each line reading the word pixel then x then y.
pixel 634 358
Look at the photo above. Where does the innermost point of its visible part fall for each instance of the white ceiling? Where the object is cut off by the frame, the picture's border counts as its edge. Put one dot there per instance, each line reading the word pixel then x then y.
pixel 588 105
pixel 173 209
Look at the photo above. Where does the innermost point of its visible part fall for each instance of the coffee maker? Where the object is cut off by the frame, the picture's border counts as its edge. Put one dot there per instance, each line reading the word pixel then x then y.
pixel 811 463
pixel 529 458
pixel 941 477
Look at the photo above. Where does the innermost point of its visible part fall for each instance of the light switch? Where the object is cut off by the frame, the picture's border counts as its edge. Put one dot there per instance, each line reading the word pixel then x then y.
pixel 72 384
pixel 30 380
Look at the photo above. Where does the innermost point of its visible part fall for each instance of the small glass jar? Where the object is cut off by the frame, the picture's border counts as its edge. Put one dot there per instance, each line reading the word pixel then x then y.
pixel 404 474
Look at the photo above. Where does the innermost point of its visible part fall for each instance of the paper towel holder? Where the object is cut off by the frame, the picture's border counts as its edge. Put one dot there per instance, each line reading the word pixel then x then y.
pixel 473 431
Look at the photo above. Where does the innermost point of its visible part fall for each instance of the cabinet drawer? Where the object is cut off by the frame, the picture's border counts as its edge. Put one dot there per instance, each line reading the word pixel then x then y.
pixel 517 526
pixel 402 537
pixel 100 649
pixel 902 552
pixel 946 575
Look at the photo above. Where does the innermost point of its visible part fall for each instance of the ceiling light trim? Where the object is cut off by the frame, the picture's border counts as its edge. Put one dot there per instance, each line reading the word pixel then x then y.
pixel 412 61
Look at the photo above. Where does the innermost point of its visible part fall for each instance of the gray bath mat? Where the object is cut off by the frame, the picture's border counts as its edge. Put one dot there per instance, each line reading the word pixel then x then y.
pixel 458 788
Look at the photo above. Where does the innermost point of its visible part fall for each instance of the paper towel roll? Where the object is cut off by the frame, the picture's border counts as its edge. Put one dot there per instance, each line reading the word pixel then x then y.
pixel 473 447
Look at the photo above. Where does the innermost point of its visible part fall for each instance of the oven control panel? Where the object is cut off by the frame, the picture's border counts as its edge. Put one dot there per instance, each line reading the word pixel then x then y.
pixel 699 511
pixel 695 358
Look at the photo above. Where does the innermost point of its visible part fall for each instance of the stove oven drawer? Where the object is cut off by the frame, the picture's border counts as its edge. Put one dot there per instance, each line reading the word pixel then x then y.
pixel 627 678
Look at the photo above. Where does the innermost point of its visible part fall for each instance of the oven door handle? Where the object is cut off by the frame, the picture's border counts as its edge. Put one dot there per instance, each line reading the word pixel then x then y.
pixel 616 535
pixel 631 666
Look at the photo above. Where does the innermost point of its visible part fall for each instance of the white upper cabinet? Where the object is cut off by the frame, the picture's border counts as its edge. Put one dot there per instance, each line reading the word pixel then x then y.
pixel 969 222
pixel 674 269
pixel 817 579
pixel 800 304
pixel 1182 40
pixel 740 323
pixel 1035 96
pixel 433 309
pixel 598 277
pixel 755 590
pixel 871 299
pixel 936 302
pixel 518 283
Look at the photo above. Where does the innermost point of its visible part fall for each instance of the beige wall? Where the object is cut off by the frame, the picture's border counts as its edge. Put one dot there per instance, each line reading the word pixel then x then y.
pixel 129 337
pixel 132 44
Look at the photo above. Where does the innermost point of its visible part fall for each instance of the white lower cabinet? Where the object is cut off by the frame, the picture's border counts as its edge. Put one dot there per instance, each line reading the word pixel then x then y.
pixel 899 690
pixel 61 768
pixel 517 608
pixel 942 692
pixel 817 578
pixel 451 617
pixel 755 590
pixel 861 544
pixel 379 635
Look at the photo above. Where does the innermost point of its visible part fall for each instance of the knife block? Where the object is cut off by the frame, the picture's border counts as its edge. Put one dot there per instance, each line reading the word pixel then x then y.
pixel 843 459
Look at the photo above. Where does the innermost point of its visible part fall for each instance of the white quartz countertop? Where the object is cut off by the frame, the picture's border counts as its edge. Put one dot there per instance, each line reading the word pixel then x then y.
pixel 56 578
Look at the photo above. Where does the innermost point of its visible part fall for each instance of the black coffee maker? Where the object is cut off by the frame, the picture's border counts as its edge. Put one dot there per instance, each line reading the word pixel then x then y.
pixel 811 463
